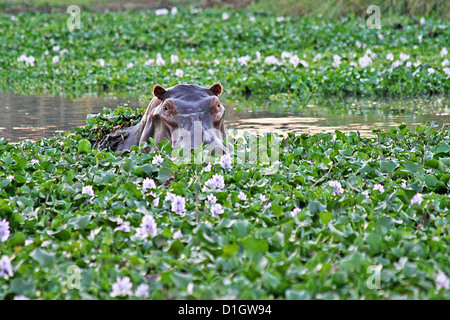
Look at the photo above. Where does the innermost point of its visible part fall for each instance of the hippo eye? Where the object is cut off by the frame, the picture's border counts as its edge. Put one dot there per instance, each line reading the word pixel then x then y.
pixel 165 108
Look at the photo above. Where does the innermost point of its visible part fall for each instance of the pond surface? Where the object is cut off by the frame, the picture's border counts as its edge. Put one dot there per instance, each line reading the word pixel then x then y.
pixel 33 117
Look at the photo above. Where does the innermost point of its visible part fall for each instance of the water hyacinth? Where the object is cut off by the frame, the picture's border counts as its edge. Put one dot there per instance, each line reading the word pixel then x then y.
pixel 142 291
pixel 295 211
pixel 179 73
pixel 417 199
pixel 29 60
pixel 161 12
pixel 242 196
pixel 443 52
pixel 4 230
pixel 364 61
pixel 122 287
pixel 217 182
pixel 157 160
pixel 147 228
pixel 212 198
pixel 216 209
pixel 378 187
pixel 55 59
pixel 442 281
pixel 88 190
pixel 390 57
pixel 337 188
pixel 179 205
pixel 159 60
pixel 225 162
pixel 125 227
pixel 336 61
pixel 6 270
pixel 147 184
pixel 177 234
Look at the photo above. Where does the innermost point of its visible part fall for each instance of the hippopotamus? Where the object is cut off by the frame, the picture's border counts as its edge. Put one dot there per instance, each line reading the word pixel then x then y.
pixel 187 115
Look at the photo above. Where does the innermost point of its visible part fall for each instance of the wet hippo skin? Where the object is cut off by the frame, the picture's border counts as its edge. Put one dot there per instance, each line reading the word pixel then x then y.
pixel 188 115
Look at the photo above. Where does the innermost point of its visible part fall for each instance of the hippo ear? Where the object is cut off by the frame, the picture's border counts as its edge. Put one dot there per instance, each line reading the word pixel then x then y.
pixel 216 88
pixel 158 91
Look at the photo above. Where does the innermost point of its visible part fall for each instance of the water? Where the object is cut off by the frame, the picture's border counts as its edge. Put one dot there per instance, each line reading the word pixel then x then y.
pixel 32 117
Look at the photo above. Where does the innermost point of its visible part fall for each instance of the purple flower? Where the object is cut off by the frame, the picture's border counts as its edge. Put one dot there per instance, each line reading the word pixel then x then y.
pixel 216 209
pixel 336 185
pixel 157 160
pixel 295 212
pixel 169 197
pixel 242 196
pixel 378 187
pixel 6 268
pixel 225 162
pixel 217 182
pixel 122 287
pixel 142 291
pixel 442 281
pixel 88 190
pixel 177 234
pixel 4 230
pixel 417 199
pixel 125 227
pixel 148 227
pixel 179 205
pixel 148 184
pixel 212 198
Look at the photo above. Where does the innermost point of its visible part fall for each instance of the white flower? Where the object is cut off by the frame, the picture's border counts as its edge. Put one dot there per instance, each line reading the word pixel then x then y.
pixel 242 196
pixel 159 60
pixel 174 11
pixel 317 57
pixel 262 198
pixel 443 52
pixel 212 198
pixel 162 12
pixel 416 64
pixel 149 62
pixel 122 287
pixel 169 197
pixel 280 19
pixel 390 57
pixel 431 70
pixel 177 234
pixel 157 160
pixel 29 61
pixel 364 61
pixel 63 51
pixel 179 73
pixel 358 44
pixel 6 270
pixel 422 21
pixel 244 60
pixel 353 64
pixel 211 71
pixel 378 187
pixel 302 62
pixel 396 63
pixel 190 288
pixel 216 209
pixel 420 38
pixel 380 36
pixel 252 18
pixel 408 64
pixel 142 291
pixel 445 63
pixel 4 230
pixel 55 59
pixel 88 190
pixel 417 199
pixel 225 16
pixel 295 212
pixel 21 297
pixel 34 161
pixel 130 65
pixel 271 60
pixel 208 168
pixel 174 58
pixel 101 62
pixel 446 71
pixel 404 56
pixel 56 48
pixel 336 61
pixel 442 281
pixel 403 184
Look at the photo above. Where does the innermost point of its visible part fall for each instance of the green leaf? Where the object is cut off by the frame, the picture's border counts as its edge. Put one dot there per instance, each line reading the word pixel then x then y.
pixel 84 146
pixel 325 218
pixel 44 258
pixel 253 246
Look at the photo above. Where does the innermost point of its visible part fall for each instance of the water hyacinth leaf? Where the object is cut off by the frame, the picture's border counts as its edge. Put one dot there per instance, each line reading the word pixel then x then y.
pixel 325 218
pixel 388 166
pixel 316 207
pixel 164 174
pixel 297 295
pixel 181 280
pixel 252 246
pixel 230 251
pixel 45 258
pixel 84 146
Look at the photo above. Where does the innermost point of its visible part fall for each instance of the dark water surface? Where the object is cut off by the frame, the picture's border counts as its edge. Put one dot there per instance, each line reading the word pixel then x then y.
pixel 33 117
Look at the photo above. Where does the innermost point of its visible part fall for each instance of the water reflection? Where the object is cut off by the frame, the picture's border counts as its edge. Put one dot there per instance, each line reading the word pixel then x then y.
pixel 32 117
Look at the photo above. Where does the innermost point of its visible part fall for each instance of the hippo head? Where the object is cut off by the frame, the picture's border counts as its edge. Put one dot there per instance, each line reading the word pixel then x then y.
pixel 188 115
